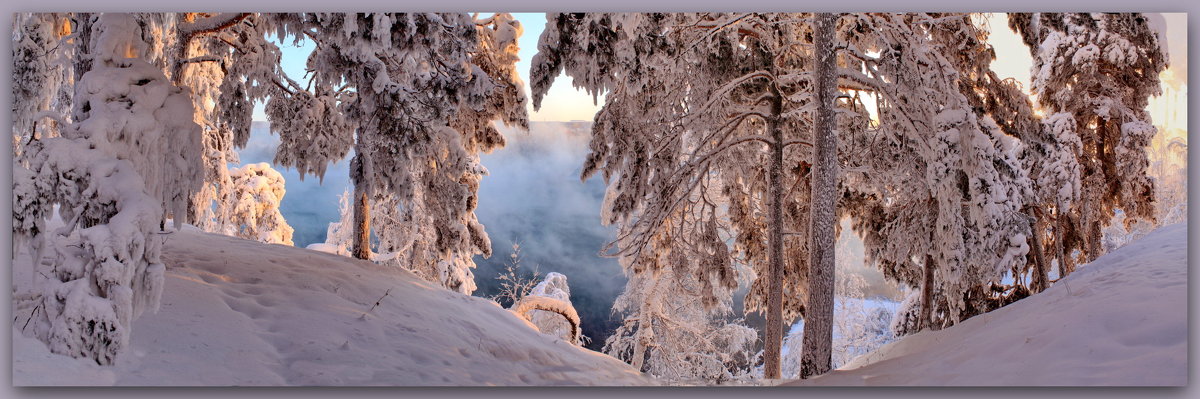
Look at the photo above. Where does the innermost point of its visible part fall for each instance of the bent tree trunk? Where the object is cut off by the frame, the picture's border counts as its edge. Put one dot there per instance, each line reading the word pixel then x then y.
pixel 361 247
pixel 563 308
pixel 818 324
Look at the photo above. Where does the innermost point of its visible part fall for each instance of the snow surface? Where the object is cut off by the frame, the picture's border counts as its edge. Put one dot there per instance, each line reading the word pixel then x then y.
pixel 1121 320
pixel 237 312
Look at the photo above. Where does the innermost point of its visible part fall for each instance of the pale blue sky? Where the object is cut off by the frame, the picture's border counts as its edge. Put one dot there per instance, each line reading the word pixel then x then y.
pixel 562 102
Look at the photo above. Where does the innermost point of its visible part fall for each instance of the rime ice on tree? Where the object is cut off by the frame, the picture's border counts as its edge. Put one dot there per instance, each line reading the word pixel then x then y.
pixel 128 161
pixel 416 96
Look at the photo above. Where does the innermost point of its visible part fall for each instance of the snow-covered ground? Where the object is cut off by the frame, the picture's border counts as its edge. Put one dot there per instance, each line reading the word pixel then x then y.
pixel 1121 320
pixel 237 312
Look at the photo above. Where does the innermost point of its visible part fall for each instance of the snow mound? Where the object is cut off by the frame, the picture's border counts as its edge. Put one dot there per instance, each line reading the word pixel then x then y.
pixel 1121 320
pixel 238 312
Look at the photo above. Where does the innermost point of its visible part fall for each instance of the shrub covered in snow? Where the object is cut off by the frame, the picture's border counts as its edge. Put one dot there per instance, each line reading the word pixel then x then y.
pixel 258 190
pixel 668 331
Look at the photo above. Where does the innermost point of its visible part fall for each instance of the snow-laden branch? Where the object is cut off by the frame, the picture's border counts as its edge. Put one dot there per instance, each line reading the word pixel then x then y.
pixel 719 93
pixel 796 141
pixel 714 28
pixel 211 24
pixel 203 58
pixel 53 115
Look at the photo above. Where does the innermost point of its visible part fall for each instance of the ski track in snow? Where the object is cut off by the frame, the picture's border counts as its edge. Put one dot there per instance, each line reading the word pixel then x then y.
pixel 236 312
pixel 1121 320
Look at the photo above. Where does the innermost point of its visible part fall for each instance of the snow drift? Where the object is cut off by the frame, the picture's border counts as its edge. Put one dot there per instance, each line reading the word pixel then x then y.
pixel 1121 320
pixel 237 312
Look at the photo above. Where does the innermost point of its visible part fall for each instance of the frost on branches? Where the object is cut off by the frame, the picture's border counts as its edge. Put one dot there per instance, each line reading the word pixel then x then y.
pixel 415 96
pixel 675 322
pixel 1097 71
pixel 860 326
pixel 938 188
pixel 41 76
pixel 127 162
pixel 258 190
pixel 695 106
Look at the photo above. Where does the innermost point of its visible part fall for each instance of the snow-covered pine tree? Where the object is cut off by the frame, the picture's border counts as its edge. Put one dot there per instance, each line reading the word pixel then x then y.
pixel 818 317
pixel 416 96
pixel 128 160
pixel 1045 154
pixel 935 171
pixel 210 54
pixel 1093 75
pixel 695 105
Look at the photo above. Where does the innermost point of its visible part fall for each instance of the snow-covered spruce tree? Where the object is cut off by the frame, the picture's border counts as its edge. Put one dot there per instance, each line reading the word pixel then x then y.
pixel 416 96
pixel 229 63
pixel 258 190
pixel 127 161
pixel 1094 74
pixel 938 194
pixel 695 106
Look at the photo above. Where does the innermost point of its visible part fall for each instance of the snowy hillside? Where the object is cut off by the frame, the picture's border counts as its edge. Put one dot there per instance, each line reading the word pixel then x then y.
pixel 236 312
pixel 1121 320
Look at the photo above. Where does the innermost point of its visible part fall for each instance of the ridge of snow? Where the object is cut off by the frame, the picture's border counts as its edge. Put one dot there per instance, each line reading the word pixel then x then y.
pixel 1121 320
pixel 238 312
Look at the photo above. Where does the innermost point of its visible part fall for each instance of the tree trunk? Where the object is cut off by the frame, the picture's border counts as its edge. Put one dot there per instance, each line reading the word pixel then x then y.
pixel 83 40
pixel 774 328
pixel 1040 281
pixel 1061 233
pixel 925 314
pixel 818 318
pixel 361 247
